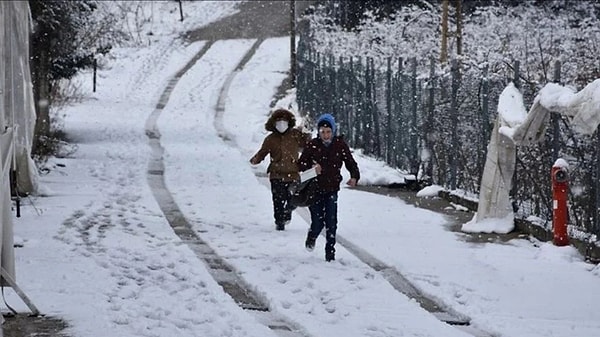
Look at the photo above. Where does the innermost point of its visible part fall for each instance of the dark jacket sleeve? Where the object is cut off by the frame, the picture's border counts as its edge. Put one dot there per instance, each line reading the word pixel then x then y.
pixel 349 162
pixel 264 150
pixel 306 160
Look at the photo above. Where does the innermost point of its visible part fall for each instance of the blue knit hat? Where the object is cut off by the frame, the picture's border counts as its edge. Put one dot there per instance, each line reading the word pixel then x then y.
pixel 327 120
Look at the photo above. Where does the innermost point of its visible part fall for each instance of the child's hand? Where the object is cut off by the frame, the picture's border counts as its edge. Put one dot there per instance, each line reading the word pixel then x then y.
pixel 318 168
pixel 351 182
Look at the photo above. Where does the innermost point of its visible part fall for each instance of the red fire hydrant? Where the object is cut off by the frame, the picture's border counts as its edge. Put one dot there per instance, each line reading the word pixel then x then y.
pixel 560 212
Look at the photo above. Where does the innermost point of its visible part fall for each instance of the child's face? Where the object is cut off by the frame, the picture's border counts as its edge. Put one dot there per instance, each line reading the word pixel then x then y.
pixel 325 133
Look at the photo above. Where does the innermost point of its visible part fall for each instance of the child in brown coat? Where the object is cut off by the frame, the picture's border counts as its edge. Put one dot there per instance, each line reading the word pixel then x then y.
pixel 283 145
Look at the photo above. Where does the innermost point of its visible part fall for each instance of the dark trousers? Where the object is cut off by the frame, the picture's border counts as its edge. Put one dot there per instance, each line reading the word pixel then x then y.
pixel 323 213
pixel 282 209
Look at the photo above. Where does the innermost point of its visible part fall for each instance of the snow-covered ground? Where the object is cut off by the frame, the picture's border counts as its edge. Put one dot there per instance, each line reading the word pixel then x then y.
pixel 99 253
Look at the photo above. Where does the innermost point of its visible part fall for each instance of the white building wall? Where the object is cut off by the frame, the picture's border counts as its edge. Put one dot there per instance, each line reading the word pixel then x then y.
pixel 17 119
pixel 16 101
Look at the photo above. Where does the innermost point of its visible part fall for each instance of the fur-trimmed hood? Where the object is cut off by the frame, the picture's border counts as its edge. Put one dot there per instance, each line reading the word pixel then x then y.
pixel 280 114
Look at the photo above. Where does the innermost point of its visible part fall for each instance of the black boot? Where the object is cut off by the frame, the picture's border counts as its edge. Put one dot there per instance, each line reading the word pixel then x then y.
pixel 329 256
pixel 310 243
pixel 330 249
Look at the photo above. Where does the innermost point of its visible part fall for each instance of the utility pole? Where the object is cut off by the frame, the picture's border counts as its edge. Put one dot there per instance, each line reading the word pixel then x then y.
pixel 293 42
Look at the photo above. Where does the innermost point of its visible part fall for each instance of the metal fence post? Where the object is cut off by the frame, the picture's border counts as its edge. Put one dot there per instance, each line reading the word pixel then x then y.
pixel 293 53
pixel 399 141
pixel 309 74
pixel 597 213
pixel 352 112
pixel 300 85
pixel 342 105
pixel 454 118
pixel 180 10
pixel 485 117
pixel 515 182
pixel 376 123
pixel 516 74
pixel 389 133
pixel 414 128
pixel 333 88
pixel 428 125
pixel 362 81
pixel 368 111
pixel 555 118
pixel 322 90
pixel 95 69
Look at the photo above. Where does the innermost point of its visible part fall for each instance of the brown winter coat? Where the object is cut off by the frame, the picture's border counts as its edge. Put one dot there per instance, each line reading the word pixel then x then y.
pixel 283 148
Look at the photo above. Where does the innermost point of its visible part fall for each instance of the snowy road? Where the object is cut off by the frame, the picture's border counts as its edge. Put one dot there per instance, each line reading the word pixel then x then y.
pixel 199 121
pixel 100 252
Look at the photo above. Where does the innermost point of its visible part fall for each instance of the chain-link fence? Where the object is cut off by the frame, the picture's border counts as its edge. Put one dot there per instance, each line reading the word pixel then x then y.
pixel 437 126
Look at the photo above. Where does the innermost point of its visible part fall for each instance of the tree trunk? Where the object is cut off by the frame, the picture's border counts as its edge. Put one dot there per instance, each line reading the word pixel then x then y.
pixel 458 16
pixel 444 47
pixel 41 95
pixel 293 71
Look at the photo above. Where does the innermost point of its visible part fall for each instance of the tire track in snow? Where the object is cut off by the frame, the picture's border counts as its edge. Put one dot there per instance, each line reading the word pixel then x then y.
pixel 221 271
pixel 223 95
